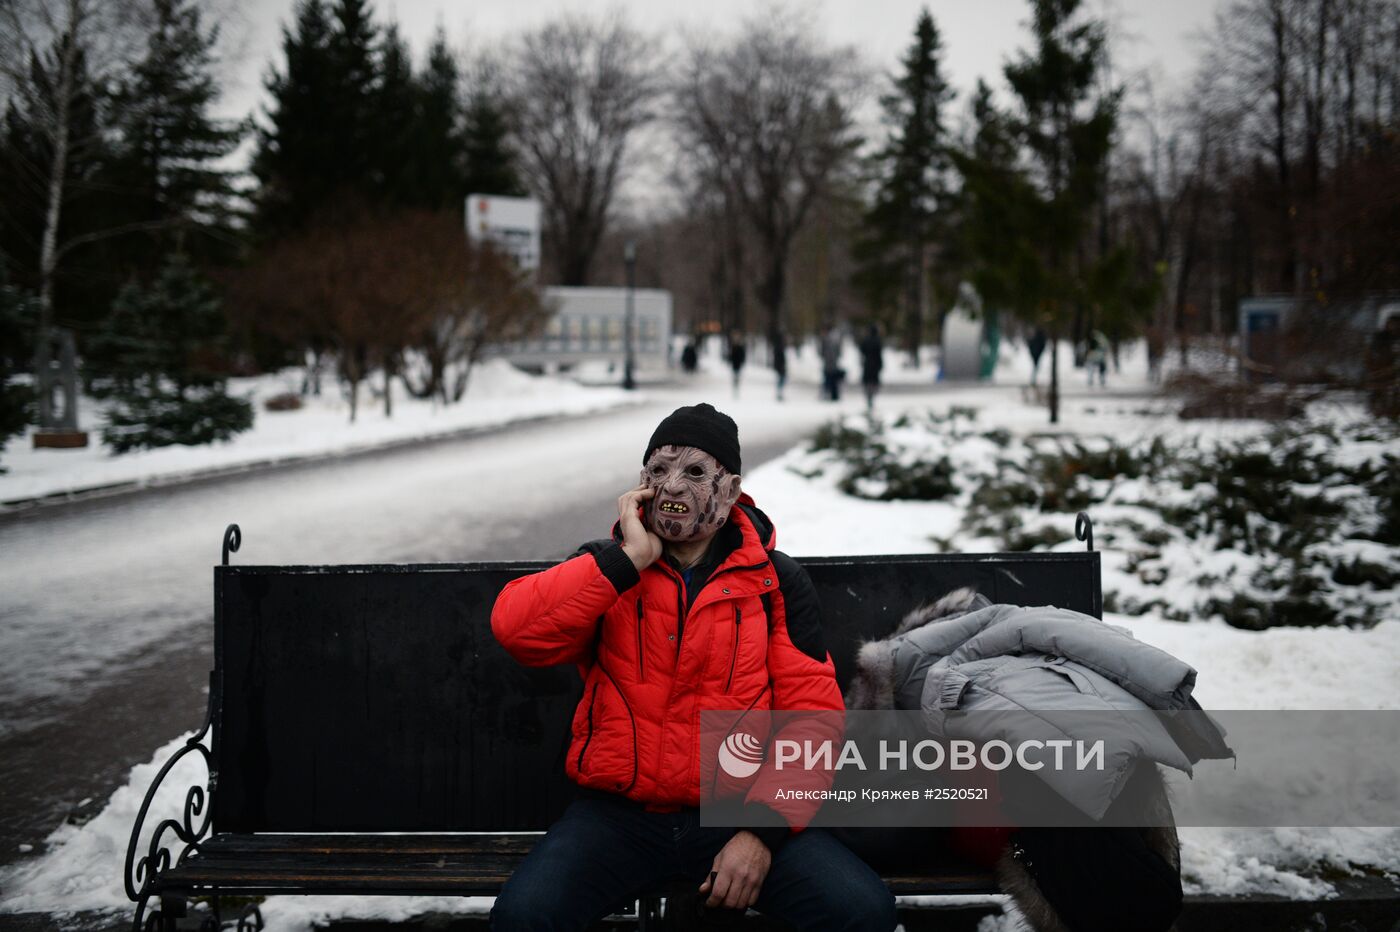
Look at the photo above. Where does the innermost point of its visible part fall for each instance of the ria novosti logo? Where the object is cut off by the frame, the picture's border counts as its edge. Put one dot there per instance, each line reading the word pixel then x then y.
pixel 741 755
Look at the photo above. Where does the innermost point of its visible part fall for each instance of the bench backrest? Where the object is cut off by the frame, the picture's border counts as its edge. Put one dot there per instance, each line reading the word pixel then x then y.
pixel 374 698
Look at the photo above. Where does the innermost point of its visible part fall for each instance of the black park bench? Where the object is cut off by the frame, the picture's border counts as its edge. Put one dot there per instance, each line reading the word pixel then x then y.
pixel 367 735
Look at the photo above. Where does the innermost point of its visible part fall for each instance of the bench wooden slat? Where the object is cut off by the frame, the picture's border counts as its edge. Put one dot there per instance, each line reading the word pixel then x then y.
pixel 516 843
pixel 364 864
pixel 450 864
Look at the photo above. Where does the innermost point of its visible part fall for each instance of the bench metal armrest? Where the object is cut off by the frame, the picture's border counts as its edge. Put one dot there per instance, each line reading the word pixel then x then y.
pixel 162 850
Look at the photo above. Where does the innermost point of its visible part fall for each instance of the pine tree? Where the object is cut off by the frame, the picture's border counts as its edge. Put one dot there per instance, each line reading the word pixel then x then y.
pixel 912 171
pixel 297 152
pixel 1034 219
pixel 996 197
pixel 491 164
pixel 399 161
pixel 357 78
pixel 439 148
pixel 322 151
pixel 168 344
pixel 171 144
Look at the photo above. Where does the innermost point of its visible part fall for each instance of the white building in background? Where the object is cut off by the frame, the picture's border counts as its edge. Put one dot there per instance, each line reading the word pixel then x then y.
pixel 588 323
pixel 588 326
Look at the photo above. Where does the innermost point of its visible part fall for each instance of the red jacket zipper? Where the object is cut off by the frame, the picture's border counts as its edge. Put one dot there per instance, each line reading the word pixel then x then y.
pixel 733 657
pixel 641 663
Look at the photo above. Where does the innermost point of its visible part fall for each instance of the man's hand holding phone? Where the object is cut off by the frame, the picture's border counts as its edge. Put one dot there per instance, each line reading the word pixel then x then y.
pixel 639 543
pixel 738 872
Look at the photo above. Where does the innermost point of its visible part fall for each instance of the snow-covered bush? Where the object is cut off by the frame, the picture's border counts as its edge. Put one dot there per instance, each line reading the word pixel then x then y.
pixel 875 470
pixel 1296 525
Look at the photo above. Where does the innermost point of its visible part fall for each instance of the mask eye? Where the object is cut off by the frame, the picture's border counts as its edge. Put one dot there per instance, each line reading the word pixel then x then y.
pixel 695 472
pixel 657 470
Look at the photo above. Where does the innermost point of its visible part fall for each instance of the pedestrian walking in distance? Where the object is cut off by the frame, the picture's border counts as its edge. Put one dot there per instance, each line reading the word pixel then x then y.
pixel 738 354
pixel 1036 344
pixel 1096 359
pixel 872 360
pixel 780 360
pixel 832 374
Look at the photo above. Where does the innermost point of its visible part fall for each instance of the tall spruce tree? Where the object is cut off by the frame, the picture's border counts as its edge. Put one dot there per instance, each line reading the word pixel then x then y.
pixel 1034 218
pixel 357 75
pixel 322 150
pixel 439 149
pixel 397 104
pixel 912 170
pixel 295 163
pixel 996 196
pixel 166 182
pixel 492 166
pixel 171 144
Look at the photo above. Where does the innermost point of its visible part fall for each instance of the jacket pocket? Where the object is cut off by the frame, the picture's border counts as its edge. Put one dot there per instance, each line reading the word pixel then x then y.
pixel 944 688
pixel 588 734
pixel 607 756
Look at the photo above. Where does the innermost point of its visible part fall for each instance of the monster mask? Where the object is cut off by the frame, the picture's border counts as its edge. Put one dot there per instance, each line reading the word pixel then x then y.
pixel 693 493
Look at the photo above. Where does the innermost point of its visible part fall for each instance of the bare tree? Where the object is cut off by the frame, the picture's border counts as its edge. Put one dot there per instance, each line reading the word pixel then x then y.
pixel 360 286
pixel 76 45
pixel 1310 88
pixel 581 88
pixel 482 299
pixel 767 118
pixel 399 293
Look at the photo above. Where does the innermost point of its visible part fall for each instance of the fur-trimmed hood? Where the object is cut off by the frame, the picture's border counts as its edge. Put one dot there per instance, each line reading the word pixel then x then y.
pixel 873 685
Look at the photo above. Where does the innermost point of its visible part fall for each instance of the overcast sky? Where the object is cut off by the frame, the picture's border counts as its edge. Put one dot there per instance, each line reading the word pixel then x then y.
pixel 1160 37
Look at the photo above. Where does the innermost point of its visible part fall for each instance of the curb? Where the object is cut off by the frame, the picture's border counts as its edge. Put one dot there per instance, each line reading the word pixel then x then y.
pixel 86 493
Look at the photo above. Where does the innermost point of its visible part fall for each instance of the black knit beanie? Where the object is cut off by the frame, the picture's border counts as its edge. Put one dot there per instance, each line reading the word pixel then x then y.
pixel 702 427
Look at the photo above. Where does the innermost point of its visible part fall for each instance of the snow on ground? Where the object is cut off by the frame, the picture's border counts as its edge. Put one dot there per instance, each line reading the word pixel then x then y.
pixel 497 394
pixel 1295 668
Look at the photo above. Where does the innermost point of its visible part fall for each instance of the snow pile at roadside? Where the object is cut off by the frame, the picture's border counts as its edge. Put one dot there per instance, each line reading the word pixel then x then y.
pixel 498 394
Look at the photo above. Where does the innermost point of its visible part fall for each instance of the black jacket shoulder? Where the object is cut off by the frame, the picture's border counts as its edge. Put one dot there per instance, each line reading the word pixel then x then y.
pixel 804 610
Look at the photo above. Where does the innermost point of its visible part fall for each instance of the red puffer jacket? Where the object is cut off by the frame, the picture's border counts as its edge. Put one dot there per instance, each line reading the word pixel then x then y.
pixel 650 666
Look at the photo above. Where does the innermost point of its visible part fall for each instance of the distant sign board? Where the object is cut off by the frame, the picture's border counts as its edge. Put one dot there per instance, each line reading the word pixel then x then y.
pixel 512 223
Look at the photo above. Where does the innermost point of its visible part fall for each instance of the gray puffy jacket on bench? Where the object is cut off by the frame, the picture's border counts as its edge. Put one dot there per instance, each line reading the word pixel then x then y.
pixel 979 657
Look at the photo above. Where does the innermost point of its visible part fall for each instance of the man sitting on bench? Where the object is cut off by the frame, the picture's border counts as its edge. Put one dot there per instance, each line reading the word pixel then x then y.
pixel 687 607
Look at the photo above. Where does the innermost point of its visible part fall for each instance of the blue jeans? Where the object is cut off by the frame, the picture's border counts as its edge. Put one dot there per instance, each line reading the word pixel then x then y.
pixel 603 852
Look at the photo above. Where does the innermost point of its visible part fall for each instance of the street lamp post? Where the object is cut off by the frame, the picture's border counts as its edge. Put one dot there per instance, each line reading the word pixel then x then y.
pixel 629 257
